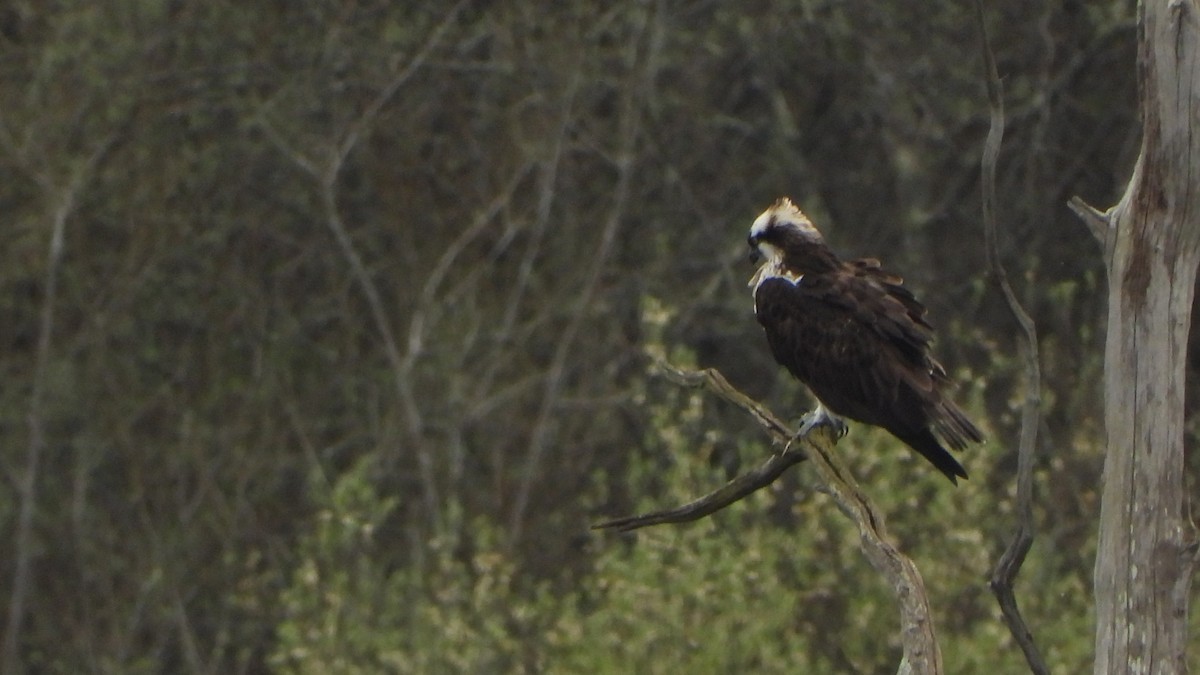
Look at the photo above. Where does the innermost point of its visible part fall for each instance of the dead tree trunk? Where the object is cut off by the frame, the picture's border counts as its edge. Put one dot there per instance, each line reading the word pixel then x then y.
pixel 1152 243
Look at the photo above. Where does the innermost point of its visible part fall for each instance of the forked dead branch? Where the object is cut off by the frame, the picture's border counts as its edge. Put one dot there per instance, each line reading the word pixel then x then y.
pixel 740 487
pixel 921 652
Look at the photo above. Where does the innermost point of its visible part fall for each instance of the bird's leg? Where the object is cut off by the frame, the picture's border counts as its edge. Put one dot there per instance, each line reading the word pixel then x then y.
pixel 822 416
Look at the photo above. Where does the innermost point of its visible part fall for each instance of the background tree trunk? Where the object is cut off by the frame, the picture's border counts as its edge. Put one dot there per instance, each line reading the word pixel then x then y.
pixel 1145 557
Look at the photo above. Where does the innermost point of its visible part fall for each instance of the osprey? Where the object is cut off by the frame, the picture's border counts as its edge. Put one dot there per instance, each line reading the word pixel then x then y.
pixel 855 336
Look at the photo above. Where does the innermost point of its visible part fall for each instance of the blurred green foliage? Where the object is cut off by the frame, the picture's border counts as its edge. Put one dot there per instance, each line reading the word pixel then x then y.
pixel 734 593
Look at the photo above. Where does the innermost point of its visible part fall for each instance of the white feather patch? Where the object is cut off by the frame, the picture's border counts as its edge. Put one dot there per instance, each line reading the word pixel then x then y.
pixel 771 269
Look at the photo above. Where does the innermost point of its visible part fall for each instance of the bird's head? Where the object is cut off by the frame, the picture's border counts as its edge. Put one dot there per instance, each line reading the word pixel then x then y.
pixel 779 228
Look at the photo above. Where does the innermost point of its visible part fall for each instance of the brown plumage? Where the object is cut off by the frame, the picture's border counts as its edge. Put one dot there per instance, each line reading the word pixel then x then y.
pixel 855 336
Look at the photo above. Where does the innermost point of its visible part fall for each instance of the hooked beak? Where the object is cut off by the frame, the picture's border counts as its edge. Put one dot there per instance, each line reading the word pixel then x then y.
pixel 755 255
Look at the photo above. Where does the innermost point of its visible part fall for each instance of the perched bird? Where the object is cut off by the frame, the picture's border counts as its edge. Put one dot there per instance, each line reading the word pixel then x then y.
pixel 855 336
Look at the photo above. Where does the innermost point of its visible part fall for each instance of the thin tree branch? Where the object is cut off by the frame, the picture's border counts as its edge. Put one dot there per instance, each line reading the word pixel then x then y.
pixel 276 138
pixel 364 122
pixel 414 427
pixel 354 131
pixel 627 153
pixel 35 418
pixel 329 180
pixel 554 378
pixel 733 491
pixel 327 174
pixel 739 487
pixel 428 308
pixel 1009 565
pixel 714 381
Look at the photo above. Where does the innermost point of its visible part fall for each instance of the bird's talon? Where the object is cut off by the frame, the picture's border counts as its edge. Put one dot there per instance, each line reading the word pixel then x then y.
pixel 840 428
pixel 821 417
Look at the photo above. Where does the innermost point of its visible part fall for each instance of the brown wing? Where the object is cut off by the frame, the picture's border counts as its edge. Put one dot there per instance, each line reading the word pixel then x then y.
pixel 881 302
pixel 852 344
pixel 947 419
pixel 860 342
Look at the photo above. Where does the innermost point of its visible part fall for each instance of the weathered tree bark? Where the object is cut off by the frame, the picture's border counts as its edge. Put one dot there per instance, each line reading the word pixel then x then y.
pixel 921 653
pixel 1151 238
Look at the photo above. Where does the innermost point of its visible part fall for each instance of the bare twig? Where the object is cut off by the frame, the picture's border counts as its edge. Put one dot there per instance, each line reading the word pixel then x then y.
pixel 714 381
pixel 627 153
pixel 738 488
pixel 735 490
pixel 302 161
pixel 554 378
pixel 327 174
pixel 921 652
pixel 414 427
pixel 1005 572
pixel 367 118
pixel 353 133
pixel 431 303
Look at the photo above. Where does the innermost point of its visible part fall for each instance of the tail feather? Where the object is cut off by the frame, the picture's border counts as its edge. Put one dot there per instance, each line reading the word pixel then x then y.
pixel 925 443
pixel 953 426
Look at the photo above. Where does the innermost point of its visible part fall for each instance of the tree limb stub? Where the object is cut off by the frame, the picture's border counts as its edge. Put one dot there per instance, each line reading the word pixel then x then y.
pixel 1097 221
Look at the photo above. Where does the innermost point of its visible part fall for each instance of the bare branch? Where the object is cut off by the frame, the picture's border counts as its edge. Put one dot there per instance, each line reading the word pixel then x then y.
pixel 714 381
pixel 627 152
pixel 1099 222
pixel 1005 572
pixel 739 487
pixel 429 305
pixel 327 175
pixel 35 418
pixel 917 637
pixel 921 652
pixel 414 428
pixel 733 491
pixel 372 110
pixel 298 158
pixel 327 171
pixel 554 378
